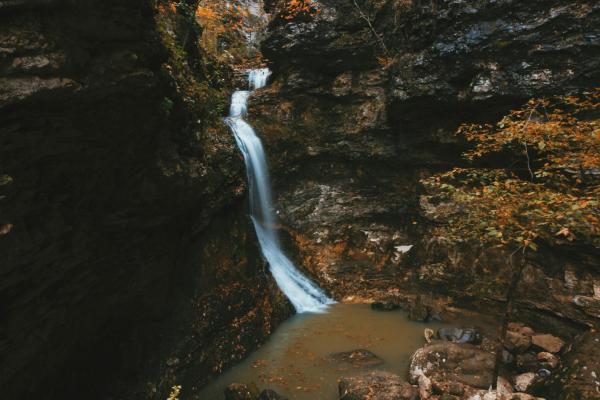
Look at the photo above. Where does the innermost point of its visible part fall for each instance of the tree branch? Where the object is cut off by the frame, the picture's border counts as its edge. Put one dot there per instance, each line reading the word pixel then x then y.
pixel 372 28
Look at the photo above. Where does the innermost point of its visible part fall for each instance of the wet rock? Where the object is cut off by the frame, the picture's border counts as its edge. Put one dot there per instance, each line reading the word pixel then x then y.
pixel 459 335
pixel 543 373
pixel 425 308
pixel 527 362
pixel 524 381
pixel 428 334
pixel 387 305
pixel 269 394
pixel 548 342
pixel 240 391
pixel 360 358
pixel 448 363
pixel 377 385
pixel 517 342
pixel 547 360
pixel 418 310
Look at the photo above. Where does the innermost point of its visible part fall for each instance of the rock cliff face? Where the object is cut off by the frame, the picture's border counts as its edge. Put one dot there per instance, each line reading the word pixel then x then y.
pixel 114 170
pixel 353 121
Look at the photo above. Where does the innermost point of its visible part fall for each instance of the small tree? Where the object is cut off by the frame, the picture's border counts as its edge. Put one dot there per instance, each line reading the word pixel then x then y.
pixel 548 190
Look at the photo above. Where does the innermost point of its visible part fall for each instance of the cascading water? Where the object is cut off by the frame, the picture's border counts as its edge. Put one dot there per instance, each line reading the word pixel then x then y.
pixel 302 292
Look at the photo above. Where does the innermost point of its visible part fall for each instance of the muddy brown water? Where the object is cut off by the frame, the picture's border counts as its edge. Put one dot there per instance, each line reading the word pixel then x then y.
pixel 296 361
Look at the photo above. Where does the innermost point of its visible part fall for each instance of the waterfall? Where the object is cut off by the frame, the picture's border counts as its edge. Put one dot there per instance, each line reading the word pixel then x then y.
pixel 302 292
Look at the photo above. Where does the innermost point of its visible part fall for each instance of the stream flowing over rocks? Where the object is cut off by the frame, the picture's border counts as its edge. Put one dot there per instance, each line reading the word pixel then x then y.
pixel 129 263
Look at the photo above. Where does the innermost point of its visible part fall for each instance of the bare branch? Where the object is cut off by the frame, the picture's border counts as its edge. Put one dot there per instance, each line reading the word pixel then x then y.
pixel 372 28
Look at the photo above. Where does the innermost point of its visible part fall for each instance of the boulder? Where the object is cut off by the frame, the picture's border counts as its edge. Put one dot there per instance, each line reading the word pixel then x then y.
pixel 517 342
pixel 459 335
pixel 240 391
pixel 377 385
pixel 548 360
pixel 521 328
pixel 386 305
pixel 524 381
pixel 447 363
pixel 360 358
pixel 548 342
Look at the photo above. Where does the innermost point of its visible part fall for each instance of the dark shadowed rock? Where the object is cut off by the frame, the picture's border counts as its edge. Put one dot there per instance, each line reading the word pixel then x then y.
pixel 418 310
pixel 269 394
pixel 104 230
pixel 527 362
pixel 240 391
pixel 378 385
pixel 579 379
pixel 387 305
pixel 360 358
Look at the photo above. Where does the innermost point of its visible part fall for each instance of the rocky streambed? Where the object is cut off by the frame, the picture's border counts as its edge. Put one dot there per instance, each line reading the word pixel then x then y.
pixel 361 352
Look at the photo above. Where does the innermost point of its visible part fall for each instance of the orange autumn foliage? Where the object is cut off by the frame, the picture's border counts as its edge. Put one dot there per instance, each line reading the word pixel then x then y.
pixel 549 191
pixel 293 9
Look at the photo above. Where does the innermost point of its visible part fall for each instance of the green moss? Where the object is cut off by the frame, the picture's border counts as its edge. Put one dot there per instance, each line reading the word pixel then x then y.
pixel 501 44
pixel 352 39
pixel 5 180
pixel 202 86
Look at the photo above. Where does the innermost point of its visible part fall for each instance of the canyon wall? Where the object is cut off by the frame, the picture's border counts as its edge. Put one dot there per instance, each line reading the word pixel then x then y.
pixel 366 98
pixel 126 252
pixel 128 264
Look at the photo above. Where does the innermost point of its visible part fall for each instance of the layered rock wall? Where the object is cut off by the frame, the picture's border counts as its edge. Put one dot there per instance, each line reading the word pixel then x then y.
pixel 366 98
pixel 113 170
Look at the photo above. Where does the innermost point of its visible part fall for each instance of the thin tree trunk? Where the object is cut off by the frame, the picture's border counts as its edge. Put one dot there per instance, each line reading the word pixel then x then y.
pixel 510 297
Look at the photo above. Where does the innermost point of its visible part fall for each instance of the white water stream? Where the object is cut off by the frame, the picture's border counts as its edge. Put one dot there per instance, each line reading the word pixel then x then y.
pixel 302 292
